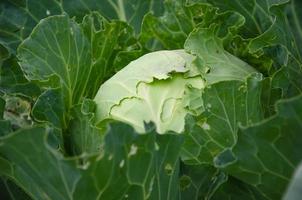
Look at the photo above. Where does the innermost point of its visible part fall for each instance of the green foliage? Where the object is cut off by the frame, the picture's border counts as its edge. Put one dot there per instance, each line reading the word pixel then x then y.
pixel 214 86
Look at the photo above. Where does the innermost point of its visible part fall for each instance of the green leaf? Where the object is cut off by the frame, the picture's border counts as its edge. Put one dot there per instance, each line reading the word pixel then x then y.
pixel 5 127
pixel 227 104
pixel 256 13
pixel 131 165
pixel 5 193
pixel 285 32
pixel 267 153
pixel 272 30
pixel 28 165
pixel 13 81
pixel 57 47
pixel 213 62
pixel 166 185
pixel 237 190
pixel 282 31
pixel 84 137
pixel 50 108
pixel 131 11
pixel 10 191
pixel 18 18
pixel 200 181
pixel 170 30
pixel 4 54
pixel 113 46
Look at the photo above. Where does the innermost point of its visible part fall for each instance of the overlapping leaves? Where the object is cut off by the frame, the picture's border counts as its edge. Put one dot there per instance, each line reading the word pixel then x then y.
pixel 67 60
pixel 131 166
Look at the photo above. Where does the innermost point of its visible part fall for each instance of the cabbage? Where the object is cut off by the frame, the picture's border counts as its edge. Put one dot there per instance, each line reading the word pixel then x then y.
pixel 151 88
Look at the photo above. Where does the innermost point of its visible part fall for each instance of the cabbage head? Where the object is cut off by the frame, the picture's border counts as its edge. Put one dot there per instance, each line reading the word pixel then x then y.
pixel 151 88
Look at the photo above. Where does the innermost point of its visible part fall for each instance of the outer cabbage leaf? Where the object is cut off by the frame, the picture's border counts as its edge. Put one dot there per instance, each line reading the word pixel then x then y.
pixel 131 11
pixel 226 105
pixel 10 191
pixel 49 108
pixel 113 45
pixel 200 181
pixel 234 189
pixel 130 166
pixel 180 18
pixel 267 153
pixel 13 81
pixel 170 30
pixel 83 136
pixel 272 29
pixel 58 47
pixel 213 61
pixel 18 18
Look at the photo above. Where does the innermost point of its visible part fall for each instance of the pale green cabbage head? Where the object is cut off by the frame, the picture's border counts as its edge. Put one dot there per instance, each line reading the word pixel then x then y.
pixel 151 88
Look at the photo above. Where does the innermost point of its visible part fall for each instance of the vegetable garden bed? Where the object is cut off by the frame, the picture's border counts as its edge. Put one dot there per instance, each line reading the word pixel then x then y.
pixel 150 99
